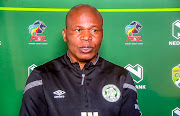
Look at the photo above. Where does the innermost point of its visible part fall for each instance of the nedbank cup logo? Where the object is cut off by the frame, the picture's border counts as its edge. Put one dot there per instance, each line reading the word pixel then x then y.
pixel 38 27
pixel 133 28
pixel 176 75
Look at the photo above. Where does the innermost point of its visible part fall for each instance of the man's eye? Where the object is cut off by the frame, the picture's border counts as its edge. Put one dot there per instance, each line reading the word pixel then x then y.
pixel 94 30
pixel 78 30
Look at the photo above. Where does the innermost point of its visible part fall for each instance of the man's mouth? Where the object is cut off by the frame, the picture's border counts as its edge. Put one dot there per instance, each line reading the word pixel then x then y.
pixel 85 49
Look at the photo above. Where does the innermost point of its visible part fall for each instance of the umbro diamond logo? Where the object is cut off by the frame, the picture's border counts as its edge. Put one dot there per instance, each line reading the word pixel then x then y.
pixel 59 94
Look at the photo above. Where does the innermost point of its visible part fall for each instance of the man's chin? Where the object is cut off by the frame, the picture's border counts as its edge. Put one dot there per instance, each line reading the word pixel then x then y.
pixel 86 58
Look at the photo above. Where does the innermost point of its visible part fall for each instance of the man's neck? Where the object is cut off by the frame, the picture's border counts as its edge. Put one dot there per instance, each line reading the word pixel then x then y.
pixel 82 63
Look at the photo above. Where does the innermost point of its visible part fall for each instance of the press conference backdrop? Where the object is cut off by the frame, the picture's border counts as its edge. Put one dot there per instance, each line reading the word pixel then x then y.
pixel 142 36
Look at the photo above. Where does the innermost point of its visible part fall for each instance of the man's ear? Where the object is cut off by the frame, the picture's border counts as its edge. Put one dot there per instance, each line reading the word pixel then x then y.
pixel 64 35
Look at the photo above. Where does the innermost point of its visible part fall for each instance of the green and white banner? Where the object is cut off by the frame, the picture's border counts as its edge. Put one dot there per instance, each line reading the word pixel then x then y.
pixel 141 36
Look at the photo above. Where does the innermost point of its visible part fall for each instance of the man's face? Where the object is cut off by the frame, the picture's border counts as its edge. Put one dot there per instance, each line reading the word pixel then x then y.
pixel 83 35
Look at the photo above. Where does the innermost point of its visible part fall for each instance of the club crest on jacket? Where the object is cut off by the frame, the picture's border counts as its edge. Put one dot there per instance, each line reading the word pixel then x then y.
pixel 111 93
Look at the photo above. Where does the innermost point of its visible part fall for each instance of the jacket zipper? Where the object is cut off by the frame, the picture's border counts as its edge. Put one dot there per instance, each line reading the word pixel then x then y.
pixel 83 83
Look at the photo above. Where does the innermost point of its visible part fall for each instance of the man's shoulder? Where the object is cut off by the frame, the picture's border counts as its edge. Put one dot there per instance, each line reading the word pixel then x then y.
pixel 56 64
pixel 110 67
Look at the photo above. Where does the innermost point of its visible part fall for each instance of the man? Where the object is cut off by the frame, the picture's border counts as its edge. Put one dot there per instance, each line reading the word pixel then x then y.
pixel 80 83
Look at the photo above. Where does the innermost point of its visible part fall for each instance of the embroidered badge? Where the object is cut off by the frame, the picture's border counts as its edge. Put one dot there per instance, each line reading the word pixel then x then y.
pixel 111 93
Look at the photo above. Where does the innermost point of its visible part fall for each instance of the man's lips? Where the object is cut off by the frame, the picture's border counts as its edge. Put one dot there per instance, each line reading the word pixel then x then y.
pixel 85 49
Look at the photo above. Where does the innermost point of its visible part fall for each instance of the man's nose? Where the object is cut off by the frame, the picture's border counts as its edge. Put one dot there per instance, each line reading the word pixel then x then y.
pixel 86 35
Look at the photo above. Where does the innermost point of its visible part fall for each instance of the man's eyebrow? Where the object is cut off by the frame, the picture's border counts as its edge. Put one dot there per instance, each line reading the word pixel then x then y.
pixel 93 26
pixel 77 27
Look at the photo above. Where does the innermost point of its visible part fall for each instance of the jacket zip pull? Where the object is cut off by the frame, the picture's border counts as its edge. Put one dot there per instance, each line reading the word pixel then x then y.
pixel 82 82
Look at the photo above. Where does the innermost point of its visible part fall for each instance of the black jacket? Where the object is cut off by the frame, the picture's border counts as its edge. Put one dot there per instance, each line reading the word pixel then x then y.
pixel 61 88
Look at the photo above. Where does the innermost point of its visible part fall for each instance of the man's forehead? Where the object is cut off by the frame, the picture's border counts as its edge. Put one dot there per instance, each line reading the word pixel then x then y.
pixel 83 10
pixel 86 22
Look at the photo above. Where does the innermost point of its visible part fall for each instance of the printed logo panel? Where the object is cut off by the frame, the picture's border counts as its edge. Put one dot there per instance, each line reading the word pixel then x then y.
pixel 137 74
pixel 176 75
pixel 38 27
pixel 31 68
pixel 133 28
pixel 176 29
pixel 176 112
pixel 89 113
pixel 136 70
pixel 175 32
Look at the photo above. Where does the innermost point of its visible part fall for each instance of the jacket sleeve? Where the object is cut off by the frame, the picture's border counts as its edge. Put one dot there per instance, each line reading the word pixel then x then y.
pixel 129 98
pixel 33 102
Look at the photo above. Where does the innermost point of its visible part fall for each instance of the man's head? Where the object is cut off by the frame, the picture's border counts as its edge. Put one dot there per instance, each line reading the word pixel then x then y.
pixel 83 33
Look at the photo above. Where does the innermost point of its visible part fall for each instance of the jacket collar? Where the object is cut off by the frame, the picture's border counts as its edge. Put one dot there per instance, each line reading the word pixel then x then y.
pixel 88 67
pixel 94 63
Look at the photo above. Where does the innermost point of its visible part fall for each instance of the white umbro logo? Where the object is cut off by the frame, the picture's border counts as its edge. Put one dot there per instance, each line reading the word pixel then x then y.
pixel 59 94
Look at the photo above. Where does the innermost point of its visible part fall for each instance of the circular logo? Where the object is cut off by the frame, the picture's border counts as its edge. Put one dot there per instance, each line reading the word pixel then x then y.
pixel 111 93
pixel 176 75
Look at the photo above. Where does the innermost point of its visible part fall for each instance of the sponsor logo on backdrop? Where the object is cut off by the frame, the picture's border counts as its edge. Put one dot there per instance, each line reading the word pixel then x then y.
pixel 176 75
pixel 89 113
pixel 31 68
pixel 176 112
pixel 137 74
pixel 133 28
pixel 38 27
pixel 175 33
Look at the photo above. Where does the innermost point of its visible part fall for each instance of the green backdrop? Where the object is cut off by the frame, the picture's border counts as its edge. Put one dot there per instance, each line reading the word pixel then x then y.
pixel 154 58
